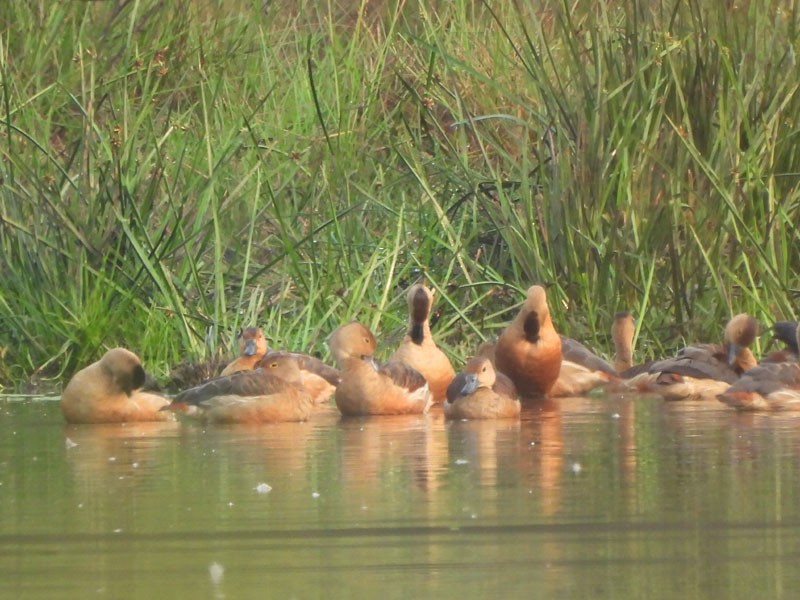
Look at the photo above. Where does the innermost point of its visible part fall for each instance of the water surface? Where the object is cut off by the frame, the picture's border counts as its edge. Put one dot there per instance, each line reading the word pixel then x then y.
pixel 606 497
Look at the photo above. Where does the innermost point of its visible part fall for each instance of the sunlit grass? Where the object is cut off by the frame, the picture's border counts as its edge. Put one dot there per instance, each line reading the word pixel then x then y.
pixel 173 170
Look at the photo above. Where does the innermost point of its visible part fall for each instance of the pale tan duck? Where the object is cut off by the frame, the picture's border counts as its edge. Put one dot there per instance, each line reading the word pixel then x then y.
pixel 479 392
pixel 529 348
pixel 581 370
pixel 252 347
pixel 109 391
pixel 770 386
pixel 418 349
pixel 370 388
pixel 271 393
pixel 702 371
pixel 319 378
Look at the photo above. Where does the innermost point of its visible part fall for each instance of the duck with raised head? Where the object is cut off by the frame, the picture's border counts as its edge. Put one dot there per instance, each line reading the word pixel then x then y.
pixel 252 347
pixel 622 331
pixel 371 388
pixel 271 393
pixel 418 349
pixel 701 371
pixel 479 392
pixel 529 348
pixel 110 391
pixel 768 386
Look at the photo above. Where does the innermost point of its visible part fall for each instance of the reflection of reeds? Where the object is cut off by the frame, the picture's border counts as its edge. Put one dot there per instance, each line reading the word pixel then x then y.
pixel 297 167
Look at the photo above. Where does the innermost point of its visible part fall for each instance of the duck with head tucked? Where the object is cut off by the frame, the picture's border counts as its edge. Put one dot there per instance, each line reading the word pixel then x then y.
pixel 418 349
pixel 479 392
pixel 371 388
pixel 701 371
pixel 272 393
pixel 529 348
pixel 581 370
pixel 110 391
pixel 252 347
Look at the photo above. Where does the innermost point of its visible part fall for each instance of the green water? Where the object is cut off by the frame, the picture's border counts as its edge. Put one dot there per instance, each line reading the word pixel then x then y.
pixel 601 498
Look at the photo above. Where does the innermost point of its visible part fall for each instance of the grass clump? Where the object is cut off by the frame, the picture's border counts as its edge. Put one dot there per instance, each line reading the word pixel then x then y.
pixel 173 170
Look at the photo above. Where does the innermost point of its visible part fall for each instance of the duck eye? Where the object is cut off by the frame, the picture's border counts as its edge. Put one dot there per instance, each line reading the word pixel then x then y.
pixel 273 365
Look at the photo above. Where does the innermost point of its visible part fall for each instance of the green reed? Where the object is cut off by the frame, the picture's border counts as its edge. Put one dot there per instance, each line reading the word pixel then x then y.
pixel 173 170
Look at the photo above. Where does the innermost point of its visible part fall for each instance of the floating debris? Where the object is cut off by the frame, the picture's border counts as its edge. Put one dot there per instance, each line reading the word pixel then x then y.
pixel 263 488
pixel 215 572
pixel 68 443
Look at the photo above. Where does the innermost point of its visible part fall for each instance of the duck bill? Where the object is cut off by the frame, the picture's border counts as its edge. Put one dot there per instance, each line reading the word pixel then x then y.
pixel 733 354
pixel 470 384
pixel 250 348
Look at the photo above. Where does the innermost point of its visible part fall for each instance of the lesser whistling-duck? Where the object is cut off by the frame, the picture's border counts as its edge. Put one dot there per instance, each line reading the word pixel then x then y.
pixel 479 392
pixel 319 378
pixel 622 331
pixel 783 331
pixel 529 348
pixel 418 349
pixel 271 393
pixel 581 370
pixel 109 391
pixel 701 371
pixel 370 388
pixel 252 347
pixel 768 386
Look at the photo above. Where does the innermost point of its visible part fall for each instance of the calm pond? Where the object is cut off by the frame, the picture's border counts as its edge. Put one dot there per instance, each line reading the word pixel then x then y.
pixel 607 497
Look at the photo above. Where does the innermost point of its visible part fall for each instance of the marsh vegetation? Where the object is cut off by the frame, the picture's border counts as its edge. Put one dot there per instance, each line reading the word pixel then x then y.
pixel 175 169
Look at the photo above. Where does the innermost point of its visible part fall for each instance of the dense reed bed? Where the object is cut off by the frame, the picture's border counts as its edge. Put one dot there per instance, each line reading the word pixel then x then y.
pixel 174 169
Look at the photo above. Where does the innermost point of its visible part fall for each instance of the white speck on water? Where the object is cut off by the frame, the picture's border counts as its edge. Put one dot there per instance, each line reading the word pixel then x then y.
pixel 615 416
pixel 68 443
pixel 80 505
pixel 461 461
pixel 135 465
pixel 533 443
pixel 112 459
pixel 230 503
pixel 315 494
pixel 118 530
pixel 576 467
pixel 364 507
pixel 263 488
pixel 216 571
pixel 473 516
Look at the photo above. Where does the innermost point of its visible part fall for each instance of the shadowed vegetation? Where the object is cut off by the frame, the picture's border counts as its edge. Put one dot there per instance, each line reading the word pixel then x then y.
pixel 173 170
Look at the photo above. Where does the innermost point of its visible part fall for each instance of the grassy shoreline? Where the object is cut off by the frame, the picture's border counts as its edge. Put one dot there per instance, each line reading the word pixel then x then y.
pixel 173 170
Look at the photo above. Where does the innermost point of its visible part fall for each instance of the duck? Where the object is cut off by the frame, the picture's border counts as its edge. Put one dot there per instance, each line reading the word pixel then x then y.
pixel 371 388
pixel 110 391
pixel 622 331
pixel 418 348
pixel 252 347
pixel 702 371
pixel 783 331
pixel 271 393
pixel 480 392
pixel 529 349
pixel 768 386
pixel 581 370
pixel 317 377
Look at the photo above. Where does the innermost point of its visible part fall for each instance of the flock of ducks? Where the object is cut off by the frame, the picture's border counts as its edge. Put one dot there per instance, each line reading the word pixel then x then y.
pixel 528 362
